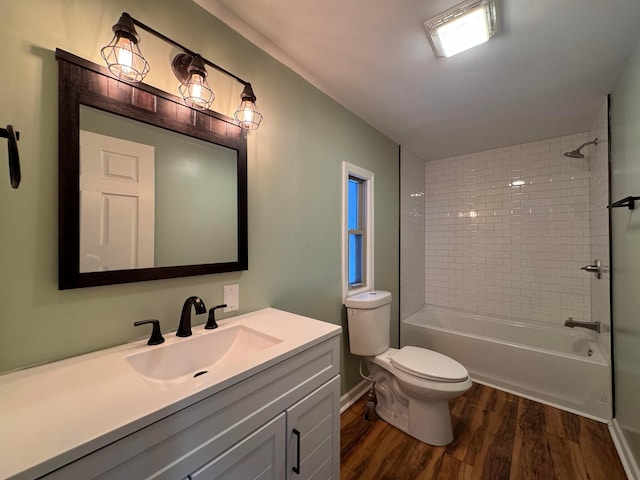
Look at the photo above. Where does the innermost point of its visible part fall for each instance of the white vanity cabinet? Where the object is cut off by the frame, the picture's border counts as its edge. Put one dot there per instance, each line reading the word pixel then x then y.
pixel 245 431
pixel 311 428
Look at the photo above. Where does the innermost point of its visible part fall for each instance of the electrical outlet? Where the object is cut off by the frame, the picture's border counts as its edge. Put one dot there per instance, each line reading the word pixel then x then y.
pixel 231 296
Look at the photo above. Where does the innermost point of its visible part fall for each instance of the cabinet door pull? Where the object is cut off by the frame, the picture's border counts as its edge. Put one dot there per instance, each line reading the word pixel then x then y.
pixel 296 469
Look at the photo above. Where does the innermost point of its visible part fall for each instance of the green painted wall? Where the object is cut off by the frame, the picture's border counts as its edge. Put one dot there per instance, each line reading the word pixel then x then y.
pixel 625 250
pixel 294 185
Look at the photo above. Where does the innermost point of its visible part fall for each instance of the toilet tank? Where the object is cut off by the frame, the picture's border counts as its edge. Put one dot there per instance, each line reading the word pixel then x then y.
pixel 369 317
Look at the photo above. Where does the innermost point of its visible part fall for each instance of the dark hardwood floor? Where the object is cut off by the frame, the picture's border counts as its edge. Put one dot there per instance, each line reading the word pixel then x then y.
pixel 497 436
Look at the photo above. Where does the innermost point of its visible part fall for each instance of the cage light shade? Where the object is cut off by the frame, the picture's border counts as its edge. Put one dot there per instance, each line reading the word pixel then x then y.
pixel 247 113
pixel 123 55
pixel 465 26
pixel 196 92
pixel 195 89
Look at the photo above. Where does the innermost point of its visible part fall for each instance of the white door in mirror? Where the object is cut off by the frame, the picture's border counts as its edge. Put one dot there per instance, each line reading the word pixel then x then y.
pixel 117 198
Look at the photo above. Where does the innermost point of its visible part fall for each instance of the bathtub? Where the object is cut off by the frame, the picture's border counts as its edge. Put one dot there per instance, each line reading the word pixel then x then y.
pixel 554 365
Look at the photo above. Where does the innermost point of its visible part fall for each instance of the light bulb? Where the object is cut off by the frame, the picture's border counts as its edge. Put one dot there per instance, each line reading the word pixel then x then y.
pixel 195 88
pixel 247 114
pixel 196 91
pixel 125 56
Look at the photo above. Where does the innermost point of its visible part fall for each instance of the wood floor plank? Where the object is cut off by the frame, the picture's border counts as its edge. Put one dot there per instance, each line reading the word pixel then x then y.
pixel 497 436
pixel 346 473
pixel 468 436
pixel 562 424
pixel 503 403
pixel 599 455
pixel 353 427
pixel 457 405
pixel 484 397
pixel 452 469
pixel 382 446
pixel 531 456
pixel 419 459
pixel 496 457
pixel 366 446
pixel 567 458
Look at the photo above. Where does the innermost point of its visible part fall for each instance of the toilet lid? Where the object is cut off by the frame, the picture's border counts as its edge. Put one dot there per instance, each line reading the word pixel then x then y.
pixel 428 364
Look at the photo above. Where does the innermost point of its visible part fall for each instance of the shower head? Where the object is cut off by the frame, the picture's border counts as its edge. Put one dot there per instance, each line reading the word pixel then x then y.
pixel 576 153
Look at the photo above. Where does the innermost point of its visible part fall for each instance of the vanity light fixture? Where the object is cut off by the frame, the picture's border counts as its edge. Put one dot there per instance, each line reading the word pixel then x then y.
pixel 122 55
pixel 462 27
pixel 125 61
pixel 193 77
pixel 247 113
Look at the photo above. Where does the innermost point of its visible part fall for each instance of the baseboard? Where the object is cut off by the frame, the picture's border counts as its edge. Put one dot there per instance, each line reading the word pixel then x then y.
pixel 629 462
pixel 354 394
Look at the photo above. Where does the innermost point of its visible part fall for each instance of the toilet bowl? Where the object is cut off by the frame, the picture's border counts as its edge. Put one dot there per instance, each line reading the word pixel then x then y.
pixel 416 405
pixel 413 385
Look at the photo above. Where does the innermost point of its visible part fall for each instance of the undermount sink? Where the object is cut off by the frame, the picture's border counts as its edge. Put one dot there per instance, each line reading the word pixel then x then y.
pixel 193 356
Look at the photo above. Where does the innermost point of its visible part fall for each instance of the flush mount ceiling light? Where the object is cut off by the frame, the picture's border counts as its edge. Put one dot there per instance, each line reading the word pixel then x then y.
pixel 462 27
pixel 125 61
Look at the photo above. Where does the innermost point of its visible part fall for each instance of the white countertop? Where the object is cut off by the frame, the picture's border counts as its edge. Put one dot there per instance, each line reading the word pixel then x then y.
pixel 53 414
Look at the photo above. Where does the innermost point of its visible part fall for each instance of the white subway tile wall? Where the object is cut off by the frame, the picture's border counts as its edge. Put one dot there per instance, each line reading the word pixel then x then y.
pixel 412 246
pixel 507 232
pixel 599 220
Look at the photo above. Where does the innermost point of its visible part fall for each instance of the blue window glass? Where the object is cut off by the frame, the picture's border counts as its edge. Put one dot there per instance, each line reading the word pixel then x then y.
pixel 355 227
pixel 354 204
pixel 355 259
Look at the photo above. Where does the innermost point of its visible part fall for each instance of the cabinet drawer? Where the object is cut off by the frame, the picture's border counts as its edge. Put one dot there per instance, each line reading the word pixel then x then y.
pixel 177 445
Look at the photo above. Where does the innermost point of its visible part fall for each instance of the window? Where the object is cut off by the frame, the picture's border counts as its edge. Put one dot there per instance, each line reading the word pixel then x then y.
pixel 356 230
pixel 357 236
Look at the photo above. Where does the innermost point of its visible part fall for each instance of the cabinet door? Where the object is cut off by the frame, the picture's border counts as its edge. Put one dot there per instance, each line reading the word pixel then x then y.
pixel 258 456
pixel 313 435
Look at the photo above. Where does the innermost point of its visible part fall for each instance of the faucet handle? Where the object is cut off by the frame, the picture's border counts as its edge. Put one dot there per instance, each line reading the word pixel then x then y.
pixel 156 336
pixel 211 322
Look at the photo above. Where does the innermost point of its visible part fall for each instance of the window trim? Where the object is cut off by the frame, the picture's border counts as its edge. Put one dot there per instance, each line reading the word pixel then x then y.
pixel 350 170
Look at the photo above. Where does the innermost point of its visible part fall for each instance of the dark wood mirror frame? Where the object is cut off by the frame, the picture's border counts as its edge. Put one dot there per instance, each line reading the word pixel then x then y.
pixel 85 83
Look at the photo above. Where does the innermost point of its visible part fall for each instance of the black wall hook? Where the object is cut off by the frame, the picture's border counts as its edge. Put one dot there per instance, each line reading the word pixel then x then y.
pixel 14 158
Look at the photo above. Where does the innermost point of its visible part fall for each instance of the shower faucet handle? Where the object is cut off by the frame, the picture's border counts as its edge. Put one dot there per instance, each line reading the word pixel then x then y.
pixel 596 268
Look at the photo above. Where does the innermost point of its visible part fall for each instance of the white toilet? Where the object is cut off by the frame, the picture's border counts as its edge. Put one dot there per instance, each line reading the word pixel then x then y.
pixel 413 385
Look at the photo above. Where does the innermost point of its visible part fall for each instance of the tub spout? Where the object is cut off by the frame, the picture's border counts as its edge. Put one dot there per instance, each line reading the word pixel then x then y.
pixel 571 323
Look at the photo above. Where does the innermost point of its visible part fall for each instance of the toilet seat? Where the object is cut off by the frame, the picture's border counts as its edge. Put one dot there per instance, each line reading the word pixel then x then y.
pixel 429 365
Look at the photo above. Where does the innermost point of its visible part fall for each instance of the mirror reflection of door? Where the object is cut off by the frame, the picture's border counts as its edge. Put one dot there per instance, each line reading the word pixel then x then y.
pixel 117 198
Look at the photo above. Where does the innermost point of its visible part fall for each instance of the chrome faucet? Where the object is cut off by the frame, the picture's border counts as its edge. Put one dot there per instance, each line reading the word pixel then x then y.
pixel 571 323
pixel 596 268
pixel 184 329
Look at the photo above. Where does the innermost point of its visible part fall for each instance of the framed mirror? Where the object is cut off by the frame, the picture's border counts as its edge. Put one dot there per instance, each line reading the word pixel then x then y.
pixel 148 187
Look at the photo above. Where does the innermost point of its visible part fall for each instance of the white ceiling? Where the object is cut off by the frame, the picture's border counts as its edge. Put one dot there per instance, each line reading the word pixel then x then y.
pixel 545 74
